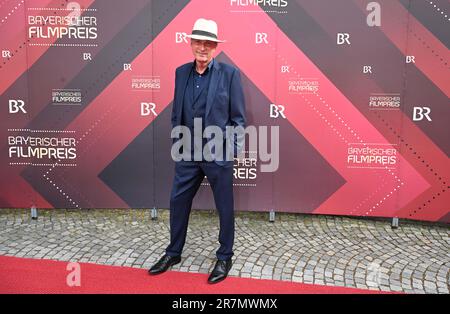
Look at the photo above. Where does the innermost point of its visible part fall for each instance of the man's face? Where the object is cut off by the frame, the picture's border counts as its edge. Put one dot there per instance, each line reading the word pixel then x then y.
pixel 203 50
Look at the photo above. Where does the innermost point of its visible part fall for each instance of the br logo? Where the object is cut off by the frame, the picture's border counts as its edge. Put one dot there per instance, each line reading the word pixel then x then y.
pixel 276 111
pixel 421 112
pixel 148 108
pixel 180 38
pixel 285 69
pixel 16 105
pixel 261 38
pixel 343 38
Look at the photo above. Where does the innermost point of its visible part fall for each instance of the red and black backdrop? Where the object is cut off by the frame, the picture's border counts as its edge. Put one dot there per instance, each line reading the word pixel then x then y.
pixel 359 90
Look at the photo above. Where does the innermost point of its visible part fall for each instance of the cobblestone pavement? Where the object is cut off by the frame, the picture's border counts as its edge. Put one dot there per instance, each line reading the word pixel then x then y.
pixel 325 250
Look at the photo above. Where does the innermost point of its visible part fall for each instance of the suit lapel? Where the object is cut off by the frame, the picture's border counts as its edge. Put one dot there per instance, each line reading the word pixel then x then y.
pixel 215 77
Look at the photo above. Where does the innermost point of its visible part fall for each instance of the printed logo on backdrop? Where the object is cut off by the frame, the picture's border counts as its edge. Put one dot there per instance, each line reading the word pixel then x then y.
pixel 145 83
pixel 258 6
pixel 384 101
pixel 303 86
pixel 181 38
pixel 6 54
pixel 261 38
pixel 371 156
pixel 66 96
pixel 42 147
pixel 77 25
pixel 262 154
pixel 16 106
pixel 277 111
pixel 420 113
pixel 148 109
pixel 245 169
pixel 258 158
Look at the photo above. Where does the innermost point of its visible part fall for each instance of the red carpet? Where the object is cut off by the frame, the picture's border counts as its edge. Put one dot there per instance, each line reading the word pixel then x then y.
pixel 21 275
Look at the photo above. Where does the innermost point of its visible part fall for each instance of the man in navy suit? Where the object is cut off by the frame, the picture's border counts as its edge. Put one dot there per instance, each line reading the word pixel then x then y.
pixel 211 92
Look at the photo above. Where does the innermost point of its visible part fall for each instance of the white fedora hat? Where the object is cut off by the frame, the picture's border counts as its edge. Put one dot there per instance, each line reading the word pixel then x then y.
pixel 205 30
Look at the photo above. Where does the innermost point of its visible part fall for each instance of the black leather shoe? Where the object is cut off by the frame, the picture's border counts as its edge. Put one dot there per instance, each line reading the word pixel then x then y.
pixel 163 264
pixel 220 271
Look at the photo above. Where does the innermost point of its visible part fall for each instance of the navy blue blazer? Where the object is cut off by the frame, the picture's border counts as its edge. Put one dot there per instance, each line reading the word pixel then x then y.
pixel 225 104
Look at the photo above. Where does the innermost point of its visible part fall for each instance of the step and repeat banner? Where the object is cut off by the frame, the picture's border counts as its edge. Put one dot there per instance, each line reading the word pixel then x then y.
pixel 359 91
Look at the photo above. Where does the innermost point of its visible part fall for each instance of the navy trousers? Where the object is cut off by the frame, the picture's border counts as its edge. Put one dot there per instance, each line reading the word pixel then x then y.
pixel 188 177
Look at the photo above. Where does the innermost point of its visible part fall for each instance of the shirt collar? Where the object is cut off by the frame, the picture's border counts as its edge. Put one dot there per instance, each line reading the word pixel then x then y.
pixel 209 66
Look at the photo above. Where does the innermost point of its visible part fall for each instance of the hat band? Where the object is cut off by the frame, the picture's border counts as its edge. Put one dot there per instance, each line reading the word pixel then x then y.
pixel 204 33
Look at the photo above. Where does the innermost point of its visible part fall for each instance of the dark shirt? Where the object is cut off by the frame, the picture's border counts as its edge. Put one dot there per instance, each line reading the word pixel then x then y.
pixel 194 103
pixel 201 81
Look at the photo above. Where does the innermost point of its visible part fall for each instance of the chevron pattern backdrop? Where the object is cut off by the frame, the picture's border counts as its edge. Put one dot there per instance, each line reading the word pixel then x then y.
pixel 359 89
